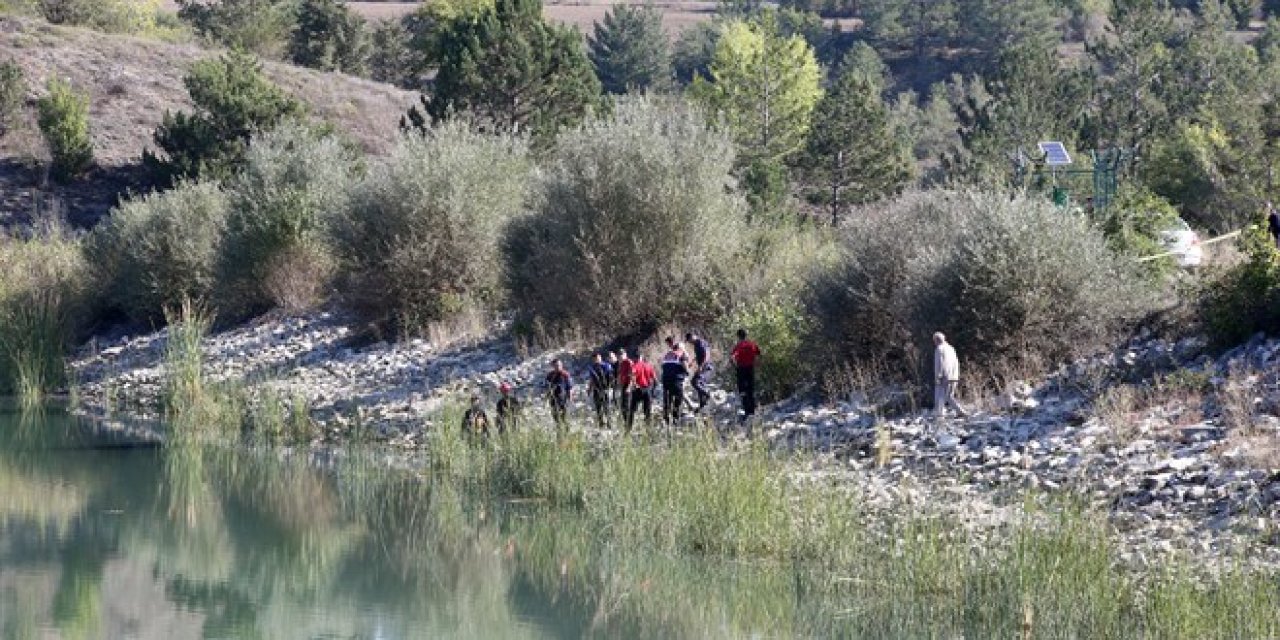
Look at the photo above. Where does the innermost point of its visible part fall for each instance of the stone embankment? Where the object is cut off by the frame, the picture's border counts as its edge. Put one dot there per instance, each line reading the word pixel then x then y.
pixel 1180 448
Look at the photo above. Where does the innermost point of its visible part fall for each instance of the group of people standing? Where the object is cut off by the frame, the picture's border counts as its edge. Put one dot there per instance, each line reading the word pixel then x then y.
pixel 621 386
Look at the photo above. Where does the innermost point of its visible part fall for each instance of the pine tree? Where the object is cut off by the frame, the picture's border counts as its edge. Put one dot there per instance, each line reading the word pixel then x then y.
pixel 764 87
pixel 233 101
pixel 853 155
pixel 513 71
pixel 630 50
pixel 329 37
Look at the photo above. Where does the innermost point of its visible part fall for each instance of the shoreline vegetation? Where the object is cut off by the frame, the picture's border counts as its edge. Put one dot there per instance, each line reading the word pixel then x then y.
pixel 1044 572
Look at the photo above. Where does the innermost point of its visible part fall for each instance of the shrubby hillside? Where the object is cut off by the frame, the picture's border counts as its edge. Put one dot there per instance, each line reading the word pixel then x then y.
pixel 131 81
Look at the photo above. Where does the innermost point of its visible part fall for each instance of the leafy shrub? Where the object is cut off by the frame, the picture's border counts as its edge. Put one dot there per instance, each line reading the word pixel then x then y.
pixel 1246 298
pixel 422 234
pixel 1010 280
pixel 275 251
pixel 64 121
pixel 117 16
pixel 13 91
pixel 329 37
pixel 635 217
pixel 233 102
pixel 1132 225
pixel 779 324
pixel 158 251
pixel 44 300
pixel 260 26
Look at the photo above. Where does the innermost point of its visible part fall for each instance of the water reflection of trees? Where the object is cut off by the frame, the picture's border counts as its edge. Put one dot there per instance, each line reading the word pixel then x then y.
pixel 265 546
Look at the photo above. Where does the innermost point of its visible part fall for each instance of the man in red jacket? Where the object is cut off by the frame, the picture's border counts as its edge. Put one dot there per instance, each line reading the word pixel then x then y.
pixel 623 371
pixel 642 379
pixel 744 356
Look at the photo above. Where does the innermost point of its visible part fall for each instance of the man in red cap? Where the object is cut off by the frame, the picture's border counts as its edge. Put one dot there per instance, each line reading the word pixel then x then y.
pixel 508 409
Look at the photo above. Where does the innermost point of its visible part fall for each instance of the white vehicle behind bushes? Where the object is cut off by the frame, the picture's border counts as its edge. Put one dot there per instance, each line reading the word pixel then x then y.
pixel 1183 244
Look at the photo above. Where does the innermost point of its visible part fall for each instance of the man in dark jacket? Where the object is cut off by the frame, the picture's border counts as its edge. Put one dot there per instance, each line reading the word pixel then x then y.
pixel 675 367
pixel 559 392
pixel 701 368
pixel 599 384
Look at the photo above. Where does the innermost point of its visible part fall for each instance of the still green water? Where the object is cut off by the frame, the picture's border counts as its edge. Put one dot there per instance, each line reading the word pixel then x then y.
pixel 104 535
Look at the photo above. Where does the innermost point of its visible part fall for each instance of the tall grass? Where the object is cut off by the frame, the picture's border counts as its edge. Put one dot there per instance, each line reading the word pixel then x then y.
pixel 43 295
pixel 1051 571
pixel 194 406
pixel 691 496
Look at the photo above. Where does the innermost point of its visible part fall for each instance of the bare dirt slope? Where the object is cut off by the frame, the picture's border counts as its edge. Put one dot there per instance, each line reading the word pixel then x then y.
pixel 131 83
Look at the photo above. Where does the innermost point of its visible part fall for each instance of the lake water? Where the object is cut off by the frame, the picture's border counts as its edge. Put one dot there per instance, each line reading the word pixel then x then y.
pixel 104 535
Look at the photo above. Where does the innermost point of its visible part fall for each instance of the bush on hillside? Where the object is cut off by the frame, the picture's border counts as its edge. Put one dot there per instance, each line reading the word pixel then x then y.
pixel 1245 299
pixel 1011 281
pixel 422 234
pixel 63 116
pixel 233 101
pixel 115 16
pixel 1132 225
pixel 157 251
pixel 260 26
pixel 636 224
pixel 276 250
pixel 13 92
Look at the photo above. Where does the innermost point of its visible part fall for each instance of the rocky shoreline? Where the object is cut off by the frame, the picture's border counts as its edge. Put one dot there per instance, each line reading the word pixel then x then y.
pixel 1178 448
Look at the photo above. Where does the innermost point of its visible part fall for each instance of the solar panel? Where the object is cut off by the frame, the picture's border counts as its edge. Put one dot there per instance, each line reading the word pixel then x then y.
pixel 1055 154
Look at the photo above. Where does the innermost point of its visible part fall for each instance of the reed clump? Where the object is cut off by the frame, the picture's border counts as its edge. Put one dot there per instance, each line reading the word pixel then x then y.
pixel 43 297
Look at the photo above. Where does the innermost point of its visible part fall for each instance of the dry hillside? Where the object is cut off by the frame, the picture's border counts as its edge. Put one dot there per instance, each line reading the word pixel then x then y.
pixel 131 82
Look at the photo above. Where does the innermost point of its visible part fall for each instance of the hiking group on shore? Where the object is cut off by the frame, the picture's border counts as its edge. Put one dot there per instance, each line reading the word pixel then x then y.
pixel 619 387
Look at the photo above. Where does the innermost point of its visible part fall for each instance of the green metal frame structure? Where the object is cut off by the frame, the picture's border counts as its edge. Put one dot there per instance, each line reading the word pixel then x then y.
pixel 1102 176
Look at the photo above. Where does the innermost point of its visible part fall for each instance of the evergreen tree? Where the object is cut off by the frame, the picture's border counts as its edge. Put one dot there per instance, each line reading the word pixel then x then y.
pixel 630 50
pixel 863 61
pixel 764 86
pixel 694 50
pixel 233 101
pixel 853 155
pixel 391 60
pixel 917 25
pixel 513 71
pixel 990 27
pixel 329 37
pixel 1031 99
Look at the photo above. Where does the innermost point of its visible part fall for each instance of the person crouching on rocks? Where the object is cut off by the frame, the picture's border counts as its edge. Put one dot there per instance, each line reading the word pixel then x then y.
pixel 559 392
pixel 475 422
pixel 946 377
pixel 507 410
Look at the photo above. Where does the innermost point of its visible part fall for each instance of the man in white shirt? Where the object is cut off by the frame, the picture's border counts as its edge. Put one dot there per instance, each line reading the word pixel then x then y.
pixel 946 377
